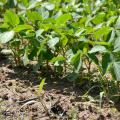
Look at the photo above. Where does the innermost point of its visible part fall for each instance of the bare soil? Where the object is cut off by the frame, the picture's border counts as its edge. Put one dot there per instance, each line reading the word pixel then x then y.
pixel 60 100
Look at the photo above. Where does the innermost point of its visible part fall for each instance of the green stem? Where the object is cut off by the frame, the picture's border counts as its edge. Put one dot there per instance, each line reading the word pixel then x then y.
pixel 98 43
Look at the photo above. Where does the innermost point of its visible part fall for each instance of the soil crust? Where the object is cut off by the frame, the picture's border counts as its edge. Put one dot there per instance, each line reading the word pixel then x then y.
pixel 60 100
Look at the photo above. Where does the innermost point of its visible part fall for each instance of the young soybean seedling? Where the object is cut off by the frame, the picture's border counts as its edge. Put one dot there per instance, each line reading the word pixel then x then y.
pixel 41 86
pixel 40 98
pixel 29 101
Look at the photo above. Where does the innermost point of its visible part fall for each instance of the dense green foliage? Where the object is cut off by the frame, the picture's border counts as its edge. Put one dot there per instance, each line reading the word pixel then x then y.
pixel 64 34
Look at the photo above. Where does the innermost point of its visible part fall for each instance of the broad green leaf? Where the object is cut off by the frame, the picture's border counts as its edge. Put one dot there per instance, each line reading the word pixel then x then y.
pixel 106 60
pixel 117 25
pixel 26 3
pixel 48 55
pixel 112 36
pixel 33 4
pixel 52 42
pixel 111 20
pixel 85 49
pixel 79 32
pixel 59 13
pixel 63 19
pixel 49 6
pixel 69 55
pixel 4 25
pixel 49 20
pixel 41 48
pixel 46 26
pixel 22 27
pixel 101 32
pixel 33 16
pixel 44 13
pixel 117 45
pixel 93 58
pixel 116 67
pixel 2 2
pixel 41 85
pixel 11 18
pixel 76 61
pixel 98 48
pixel 39 33
pixel 64 40
pixel 117 32
pixel 6 36
pixel 99 18
pixel 58 58
pixel 30 33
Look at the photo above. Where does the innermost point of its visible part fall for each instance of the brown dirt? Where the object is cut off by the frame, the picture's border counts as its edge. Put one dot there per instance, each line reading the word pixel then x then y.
pixel 59 100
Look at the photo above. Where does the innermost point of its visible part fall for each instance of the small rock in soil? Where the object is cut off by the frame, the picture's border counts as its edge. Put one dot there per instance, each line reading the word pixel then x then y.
pixel 21 98
pixel 81 107
pixel 57 109
pixel 5 97
pixel 33 90
pixel 10 84
pixel 101 117
pixel 90 108
pixel 108 115
pixel 9 66
pixel 34 108
pixel 34 115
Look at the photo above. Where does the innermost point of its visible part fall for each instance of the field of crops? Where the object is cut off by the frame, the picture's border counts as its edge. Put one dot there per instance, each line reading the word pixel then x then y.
pixel 61 57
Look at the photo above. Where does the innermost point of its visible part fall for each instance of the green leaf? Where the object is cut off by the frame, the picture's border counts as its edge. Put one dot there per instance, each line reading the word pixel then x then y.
pixel 99 18
pixel 101 32
pixel 39 33
pixel 41 85
pixel 44 13
pixel 58 58
pixel 6 36
pixel 79 32
pixel 33 4
pixel 11 18
pixel 41 48
pixel 4 25
pixel 76 61
pixel 46 26
pixel 22 27
pixel 63 19
pixel 98 48
pixel 30 33
pixel 33 16
pixel 117 45
pixel 116 67
pixel 49 6
pixel 111 20
pixel 69 55
pixel 117 25
pixel 112 36
pixel 52 42
pixel 106 60
pixel 64 40
pixel 93 58
pixel 26 3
